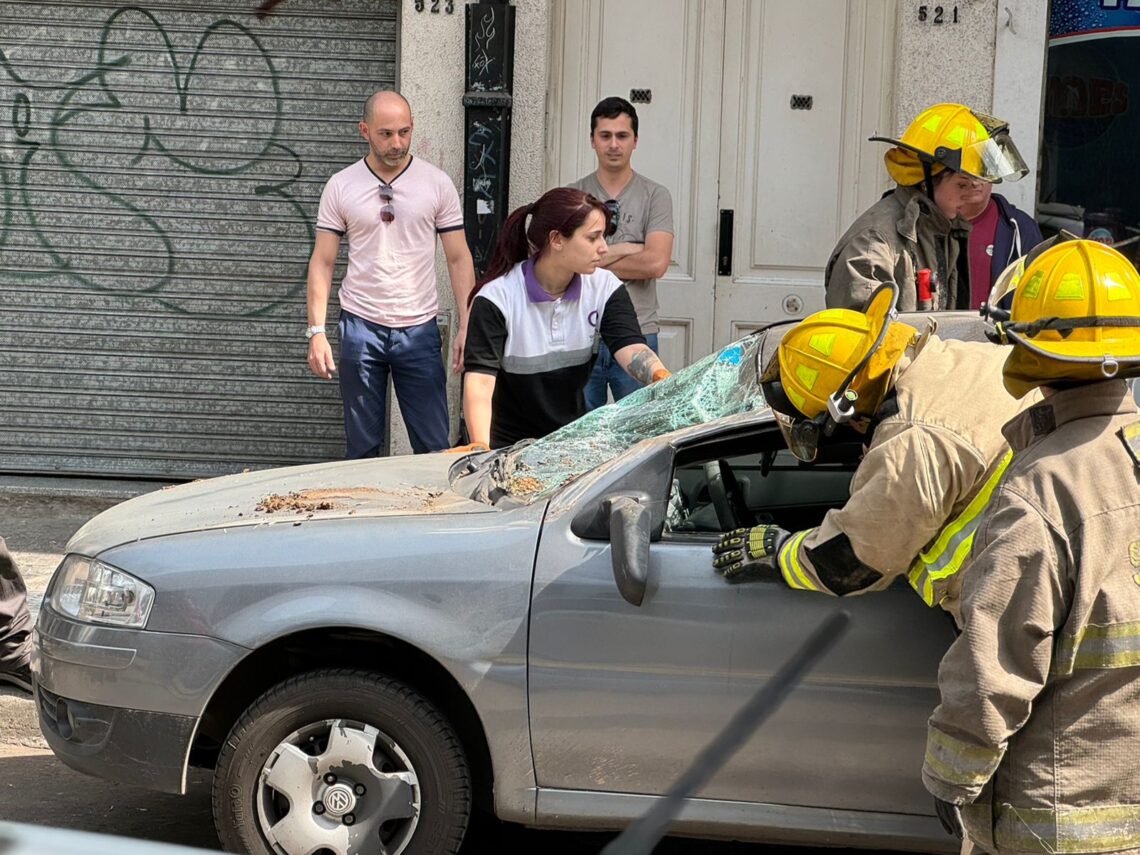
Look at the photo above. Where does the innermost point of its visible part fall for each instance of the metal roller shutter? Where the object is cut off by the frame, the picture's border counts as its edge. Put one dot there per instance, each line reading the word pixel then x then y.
pixel 159 177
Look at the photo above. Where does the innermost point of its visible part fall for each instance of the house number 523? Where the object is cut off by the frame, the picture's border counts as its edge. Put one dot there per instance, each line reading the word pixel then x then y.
pixel 938 14
pixel 436 6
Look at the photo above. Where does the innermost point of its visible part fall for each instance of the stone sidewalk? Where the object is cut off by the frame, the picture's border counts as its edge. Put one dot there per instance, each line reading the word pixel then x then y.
pixel 37 518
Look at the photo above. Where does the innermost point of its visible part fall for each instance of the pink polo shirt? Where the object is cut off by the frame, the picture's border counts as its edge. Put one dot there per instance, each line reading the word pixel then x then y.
pixel 390 278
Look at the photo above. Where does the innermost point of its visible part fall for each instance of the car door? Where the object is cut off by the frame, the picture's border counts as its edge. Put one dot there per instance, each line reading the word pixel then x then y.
pixel 622 697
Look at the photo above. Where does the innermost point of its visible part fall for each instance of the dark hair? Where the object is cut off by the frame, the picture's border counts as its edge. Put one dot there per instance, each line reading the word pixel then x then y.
pixel 561 210
pixel 611 108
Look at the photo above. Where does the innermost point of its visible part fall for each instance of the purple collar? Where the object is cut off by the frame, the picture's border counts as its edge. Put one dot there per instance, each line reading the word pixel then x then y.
pixel 534 291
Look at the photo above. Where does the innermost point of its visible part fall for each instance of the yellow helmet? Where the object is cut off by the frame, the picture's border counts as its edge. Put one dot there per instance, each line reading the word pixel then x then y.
pixel 953 136
pixel 832 366
pixel 997 305
pixel 1075 318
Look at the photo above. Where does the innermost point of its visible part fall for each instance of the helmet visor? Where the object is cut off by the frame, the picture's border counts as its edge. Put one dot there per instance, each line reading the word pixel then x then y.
pixel 801 435
pixel 1001 295
pixel 994 159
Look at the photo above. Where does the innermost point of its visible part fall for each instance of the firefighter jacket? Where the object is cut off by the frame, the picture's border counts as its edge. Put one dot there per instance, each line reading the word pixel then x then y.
pixel 917 495
pixel 889 242
pixel 1039 724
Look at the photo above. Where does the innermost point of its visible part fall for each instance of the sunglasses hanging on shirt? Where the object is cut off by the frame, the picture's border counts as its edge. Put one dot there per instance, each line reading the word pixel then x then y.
pixel 387 212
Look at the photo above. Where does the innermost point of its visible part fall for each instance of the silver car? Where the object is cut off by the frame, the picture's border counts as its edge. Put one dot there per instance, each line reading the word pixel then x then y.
pixel 365 651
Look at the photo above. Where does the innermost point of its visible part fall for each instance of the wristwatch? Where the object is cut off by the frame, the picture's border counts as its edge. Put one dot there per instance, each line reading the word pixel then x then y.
pixel 316 329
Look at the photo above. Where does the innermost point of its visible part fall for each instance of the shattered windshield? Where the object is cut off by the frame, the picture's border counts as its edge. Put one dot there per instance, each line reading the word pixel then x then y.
pixel 721 384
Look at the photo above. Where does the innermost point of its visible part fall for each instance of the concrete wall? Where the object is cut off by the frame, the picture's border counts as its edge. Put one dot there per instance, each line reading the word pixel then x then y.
pixel 992 59
pixel 1019 86
pixel 943 62
pixel 431 77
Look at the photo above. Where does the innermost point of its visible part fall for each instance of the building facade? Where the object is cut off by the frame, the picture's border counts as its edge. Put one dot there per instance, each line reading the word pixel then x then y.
pixel 162 163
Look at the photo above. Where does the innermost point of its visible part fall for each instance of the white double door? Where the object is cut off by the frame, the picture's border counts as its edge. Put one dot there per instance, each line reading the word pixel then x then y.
pixel 755 114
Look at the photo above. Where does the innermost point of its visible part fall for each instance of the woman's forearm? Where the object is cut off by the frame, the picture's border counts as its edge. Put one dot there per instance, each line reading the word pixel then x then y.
pixel 477 392
pixel 641 363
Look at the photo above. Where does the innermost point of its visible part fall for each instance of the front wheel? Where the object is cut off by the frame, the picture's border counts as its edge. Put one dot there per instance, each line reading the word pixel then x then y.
pixel 343 762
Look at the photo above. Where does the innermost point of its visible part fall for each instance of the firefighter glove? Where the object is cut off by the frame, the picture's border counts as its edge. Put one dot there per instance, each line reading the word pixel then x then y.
pixel 749 553
pixel 950 815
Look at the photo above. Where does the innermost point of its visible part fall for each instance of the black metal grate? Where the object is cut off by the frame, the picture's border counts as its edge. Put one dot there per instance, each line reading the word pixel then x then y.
pixel 640 96
pixel 801 102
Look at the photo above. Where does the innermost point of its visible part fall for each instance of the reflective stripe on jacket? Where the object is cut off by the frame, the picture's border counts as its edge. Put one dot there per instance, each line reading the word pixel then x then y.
pixel 1039 720
pixel 790 567
pixel 923 466
pixel 931 573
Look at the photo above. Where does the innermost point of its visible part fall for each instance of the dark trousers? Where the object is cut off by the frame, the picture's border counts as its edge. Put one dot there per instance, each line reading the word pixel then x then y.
pixel 15 621
pixel 369 353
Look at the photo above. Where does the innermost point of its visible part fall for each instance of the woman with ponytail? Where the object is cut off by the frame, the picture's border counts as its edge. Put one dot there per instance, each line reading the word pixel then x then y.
pixel 536 319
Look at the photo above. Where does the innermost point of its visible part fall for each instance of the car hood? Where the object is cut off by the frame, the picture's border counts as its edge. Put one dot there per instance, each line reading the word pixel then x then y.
pixel 392 486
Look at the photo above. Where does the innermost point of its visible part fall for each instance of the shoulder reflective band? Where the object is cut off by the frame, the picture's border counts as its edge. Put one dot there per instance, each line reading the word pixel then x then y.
pixel 949 551
pixel 790 567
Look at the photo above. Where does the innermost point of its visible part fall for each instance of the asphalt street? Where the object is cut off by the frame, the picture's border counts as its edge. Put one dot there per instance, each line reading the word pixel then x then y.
pixel 36 788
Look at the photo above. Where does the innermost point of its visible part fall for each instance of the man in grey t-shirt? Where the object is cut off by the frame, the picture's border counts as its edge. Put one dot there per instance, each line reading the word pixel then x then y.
pixel 642 247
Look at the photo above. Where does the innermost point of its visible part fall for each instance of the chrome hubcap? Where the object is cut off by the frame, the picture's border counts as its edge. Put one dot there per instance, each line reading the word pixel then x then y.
pixel 340 786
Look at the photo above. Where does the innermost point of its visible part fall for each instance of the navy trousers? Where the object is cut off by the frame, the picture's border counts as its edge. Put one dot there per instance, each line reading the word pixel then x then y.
pixel 369 353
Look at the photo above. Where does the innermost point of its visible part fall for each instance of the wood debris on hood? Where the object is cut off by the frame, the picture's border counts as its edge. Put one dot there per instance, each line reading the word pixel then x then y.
pixel 313 500
pixel 338 498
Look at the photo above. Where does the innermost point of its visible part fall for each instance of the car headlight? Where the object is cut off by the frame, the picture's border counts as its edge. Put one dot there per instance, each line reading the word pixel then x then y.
pixel 89 590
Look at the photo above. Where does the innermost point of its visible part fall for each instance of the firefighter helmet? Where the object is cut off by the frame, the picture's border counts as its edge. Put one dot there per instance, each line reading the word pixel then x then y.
pixel 1075 318
pixel 952 136
pixel 1001 294
pixel 832 366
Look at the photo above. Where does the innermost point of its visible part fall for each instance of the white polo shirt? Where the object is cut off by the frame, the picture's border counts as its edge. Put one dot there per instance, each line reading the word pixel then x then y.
pixel 390 278
pixel 541 349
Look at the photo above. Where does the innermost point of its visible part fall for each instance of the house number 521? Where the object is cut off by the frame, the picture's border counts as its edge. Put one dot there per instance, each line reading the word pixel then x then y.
pixel 938 14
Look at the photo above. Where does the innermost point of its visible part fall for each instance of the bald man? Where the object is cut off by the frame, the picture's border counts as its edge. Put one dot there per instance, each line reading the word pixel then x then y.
pixel 391 206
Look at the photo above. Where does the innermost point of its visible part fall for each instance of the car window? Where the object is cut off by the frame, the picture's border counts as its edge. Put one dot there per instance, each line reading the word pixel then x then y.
pixel 725 488
pixel 722 384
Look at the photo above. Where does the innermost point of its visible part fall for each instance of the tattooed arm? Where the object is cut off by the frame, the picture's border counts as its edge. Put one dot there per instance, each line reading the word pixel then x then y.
pixel 641 364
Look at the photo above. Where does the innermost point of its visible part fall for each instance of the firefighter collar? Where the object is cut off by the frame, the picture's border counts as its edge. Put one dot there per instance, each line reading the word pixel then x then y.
pixel 1088 400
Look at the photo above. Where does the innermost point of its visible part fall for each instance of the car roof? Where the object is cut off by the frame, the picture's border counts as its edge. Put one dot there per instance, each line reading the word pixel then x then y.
pixel 958 325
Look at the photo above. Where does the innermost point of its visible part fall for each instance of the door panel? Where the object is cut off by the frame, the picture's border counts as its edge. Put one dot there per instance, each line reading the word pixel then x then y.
pixel 719 131
pixel 795 177
pixel 606 49
pixel 622 698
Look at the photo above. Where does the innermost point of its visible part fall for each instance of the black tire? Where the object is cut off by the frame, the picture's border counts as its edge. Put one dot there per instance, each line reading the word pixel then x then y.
pixel 412 722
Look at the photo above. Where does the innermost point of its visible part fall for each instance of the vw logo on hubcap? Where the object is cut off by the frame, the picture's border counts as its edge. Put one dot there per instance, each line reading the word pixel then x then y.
pixel 339 799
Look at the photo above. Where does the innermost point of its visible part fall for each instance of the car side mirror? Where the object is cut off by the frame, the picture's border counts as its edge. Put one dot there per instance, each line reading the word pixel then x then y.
pixel 630 527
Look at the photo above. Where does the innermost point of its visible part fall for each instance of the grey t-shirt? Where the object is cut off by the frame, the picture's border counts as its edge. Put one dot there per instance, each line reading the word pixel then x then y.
pixel 644 206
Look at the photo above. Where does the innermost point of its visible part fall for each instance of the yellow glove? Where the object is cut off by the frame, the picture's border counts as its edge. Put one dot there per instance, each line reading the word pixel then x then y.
pixel 747 553
pixel 660 374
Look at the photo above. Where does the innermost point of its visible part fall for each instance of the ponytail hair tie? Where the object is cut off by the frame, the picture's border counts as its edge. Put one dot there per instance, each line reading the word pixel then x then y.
pixel 530 209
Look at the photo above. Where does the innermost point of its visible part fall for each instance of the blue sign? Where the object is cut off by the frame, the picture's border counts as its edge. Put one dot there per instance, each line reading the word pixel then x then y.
pixel 1093 19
